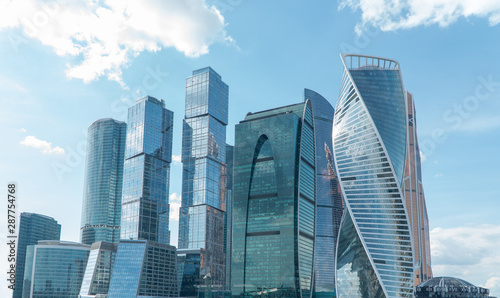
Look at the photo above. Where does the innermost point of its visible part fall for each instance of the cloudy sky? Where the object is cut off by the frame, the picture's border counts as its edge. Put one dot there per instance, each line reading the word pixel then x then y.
pixel 65 64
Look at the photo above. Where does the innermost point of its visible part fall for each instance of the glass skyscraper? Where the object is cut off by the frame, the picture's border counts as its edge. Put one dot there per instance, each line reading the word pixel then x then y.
pixel 144 269
pixel 201 220
pixel 415 200
pixel 145 264
pixel 99 268
pixel 375 248
pixel 274 203
pixel 102 188
pixel 228 219
pixel 32 228
pixel 148 154
pixel 328 197
pixel 54 269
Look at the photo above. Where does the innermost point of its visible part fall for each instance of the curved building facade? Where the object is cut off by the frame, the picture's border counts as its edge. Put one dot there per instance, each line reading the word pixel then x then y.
pixel 375 250
pixel 328 197
pixel 102 189
pixel 274 203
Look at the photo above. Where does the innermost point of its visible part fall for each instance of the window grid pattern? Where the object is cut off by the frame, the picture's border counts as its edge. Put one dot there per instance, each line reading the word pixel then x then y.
pixel 201 219
pixel 148 154
pixel 365 162
pixel 102 195
pixel 56 269
pixel 32 228
pixel 273 223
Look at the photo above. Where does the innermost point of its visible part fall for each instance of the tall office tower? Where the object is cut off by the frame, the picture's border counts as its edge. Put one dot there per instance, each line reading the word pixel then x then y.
pixel 274 203
pixel 228 218
pixel 102 188
pixel 145 263
pixel 148 154
pixel 144 269
pixel 415 199
pixel 375 253
pixel 54 269
pixel 32 228
pixel 328 197
pixel 201 220
pixel 99 268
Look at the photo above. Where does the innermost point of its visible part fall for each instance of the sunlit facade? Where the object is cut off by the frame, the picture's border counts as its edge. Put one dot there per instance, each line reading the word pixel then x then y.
pixel 415 199
pixel 148 154
pixel 54 269
pixel 99 269
pixel 274 203
pixel 375 253
pixel 201 219
pixel 102 187
pixel 328 196
pixel 144 269
pixel 32 228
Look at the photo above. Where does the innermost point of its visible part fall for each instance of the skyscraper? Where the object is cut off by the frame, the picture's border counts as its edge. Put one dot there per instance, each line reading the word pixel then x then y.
pixel 274 203
pixel 148 154
pixel 228 219
pixel 54 269
pixel 328 197
pixel 201 220
pixel 102 188
pixel 145 263
pixel 375 253
pixel 32 228
pixel 415 199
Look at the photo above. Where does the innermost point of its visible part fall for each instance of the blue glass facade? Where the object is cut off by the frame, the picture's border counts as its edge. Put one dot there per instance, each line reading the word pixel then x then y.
pixel 375 251
pixel 32 228
pixel 228 219
pixel 148 154
pixel 274 203
pixel 54 269
pixel 328 195
pixel 99 269
pixel 201 220
pixel 144 269
pixel 102 187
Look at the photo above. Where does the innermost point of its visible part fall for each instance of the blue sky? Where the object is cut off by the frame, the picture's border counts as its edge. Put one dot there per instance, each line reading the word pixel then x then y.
pixel 63 65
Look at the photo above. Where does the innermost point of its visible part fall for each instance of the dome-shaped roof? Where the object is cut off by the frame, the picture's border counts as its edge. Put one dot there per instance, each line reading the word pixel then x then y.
pixel 446 281
pixel 449 287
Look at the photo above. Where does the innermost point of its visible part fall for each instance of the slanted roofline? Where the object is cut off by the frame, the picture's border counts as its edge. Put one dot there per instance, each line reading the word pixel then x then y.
pixel 354 61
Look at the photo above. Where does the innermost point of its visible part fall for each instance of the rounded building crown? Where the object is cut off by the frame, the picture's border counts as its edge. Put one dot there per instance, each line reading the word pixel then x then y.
pixel 450 287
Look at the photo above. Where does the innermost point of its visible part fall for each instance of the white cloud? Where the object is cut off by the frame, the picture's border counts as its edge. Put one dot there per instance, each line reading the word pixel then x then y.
pixel 177 159
pixel 438 175
pixel 470 253
pixel 22 130
pixel 108 33
pixel 392 15
pixel 46 147
pixel 175 204
pixel 423 157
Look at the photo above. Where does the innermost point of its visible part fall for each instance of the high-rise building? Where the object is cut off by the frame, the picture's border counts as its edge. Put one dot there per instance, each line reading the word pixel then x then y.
pixel 102 188
pixel 415 199
pixel 328 197
pixel 201 220
pixel 54 269
pixel 228 218
pixel 144 269
pixel 274 203
pixel 145 264
pixel 146 176
pixel 99 268
pixel 375 254
pixel 32 228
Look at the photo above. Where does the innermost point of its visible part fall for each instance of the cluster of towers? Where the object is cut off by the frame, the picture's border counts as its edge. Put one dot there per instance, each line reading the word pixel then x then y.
pixel 311 201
